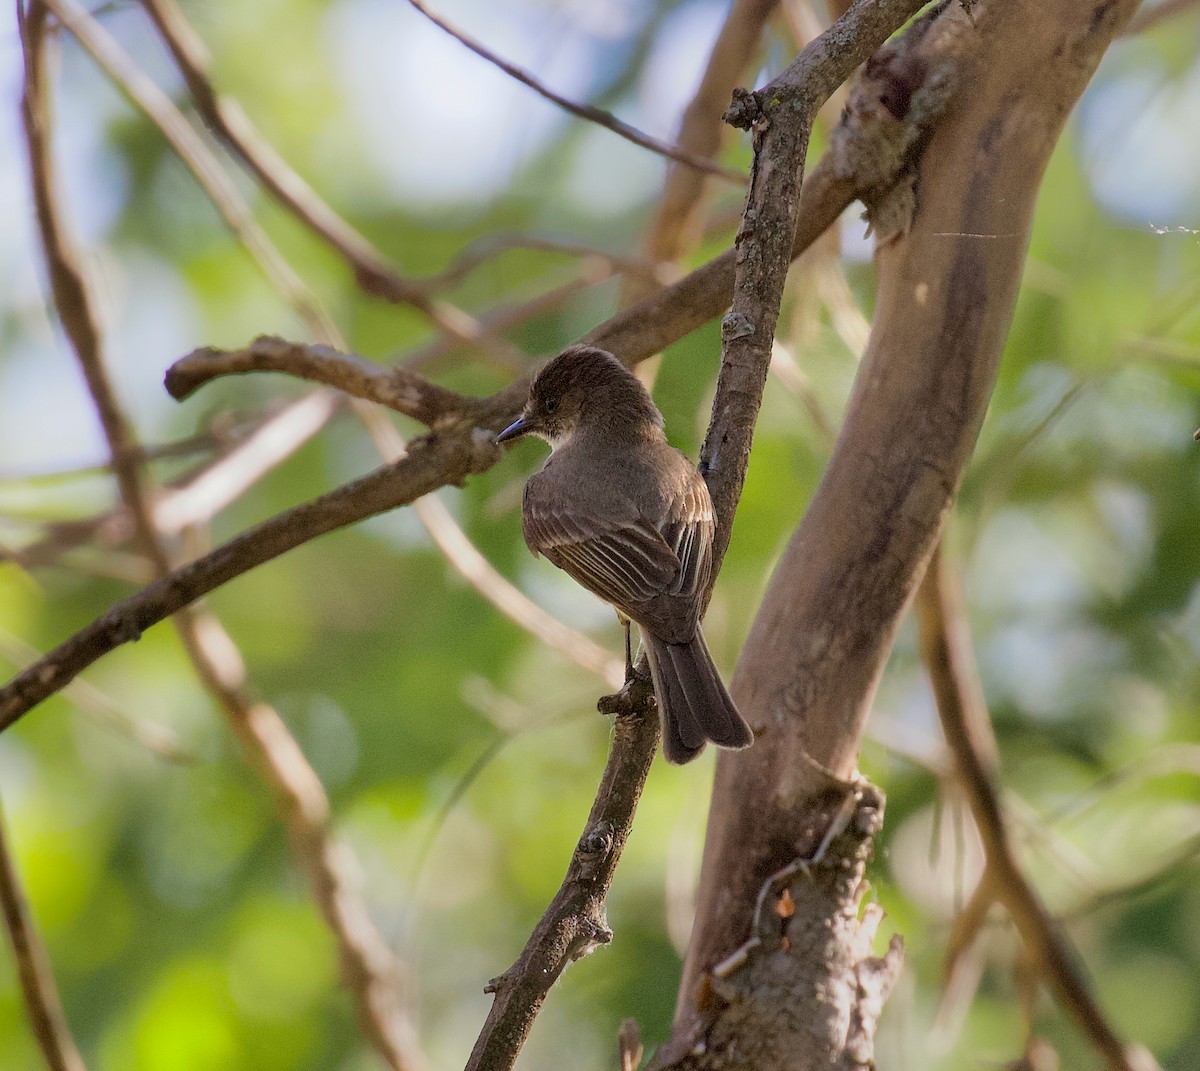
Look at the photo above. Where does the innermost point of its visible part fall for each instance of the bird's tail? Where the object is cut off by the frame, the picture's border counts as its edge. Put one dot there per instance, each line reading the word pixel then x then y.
pixel 693 703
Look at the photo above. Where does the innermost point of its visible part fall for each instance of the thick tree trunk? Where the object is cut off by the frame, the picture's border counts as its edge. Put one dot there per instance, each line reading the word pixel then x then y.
pixel 780 973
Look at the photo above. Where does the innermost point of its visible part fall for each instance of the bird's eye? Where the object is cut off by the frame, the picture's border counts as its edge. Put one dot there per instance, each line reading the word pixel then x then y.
pixel 550 404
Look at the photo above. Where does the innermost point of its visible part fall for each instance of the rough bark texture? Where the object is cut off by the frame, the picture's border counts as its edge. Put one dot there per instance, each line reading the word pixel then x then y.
pixel 809 669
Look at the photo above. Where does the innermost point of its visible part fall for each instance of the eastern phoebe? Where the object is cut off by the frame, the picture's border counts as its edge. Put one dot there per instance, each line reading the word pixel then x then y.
pixel 627 516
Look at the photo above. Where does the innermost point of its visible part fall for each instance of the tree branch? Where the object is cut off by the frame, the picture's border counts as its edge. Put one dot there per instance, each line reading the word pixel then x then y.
pixel 396 388
pixel 574 924
pixel 584 111
pixel 431 462
pixel 488 246
pixel 700 132
pixel 465 557
pixel 781 117
pixel 372 270
pixel 950 661
pixel 370 971
pixel 144 93
pixel 42 1002
pixel 471 564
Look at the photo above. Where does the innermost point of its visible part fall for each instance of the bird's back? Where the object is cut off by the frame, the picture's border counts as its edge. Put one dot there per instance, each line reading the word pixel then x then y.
pixel 632 525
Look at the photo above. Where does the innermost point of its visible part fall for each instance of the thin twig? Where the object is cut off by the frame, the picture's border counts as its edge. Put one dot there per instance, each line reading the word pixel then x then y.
pixel 202 443
pixel 396 388
pixel 1174 865
pixel 961 965
pixel 574 924
pixel 372 270
pixel 467 560
pixel 146 95
pixel 42 1002
pixel 195 496
pixel 350 374
pixel 629 1045
pixel 370 970
pixel 157 739
pixel 676 223
pixel 431 462
pixel 780 116
pixel 583 111
pixel 949 659
pixel 205 494
pixel 501 318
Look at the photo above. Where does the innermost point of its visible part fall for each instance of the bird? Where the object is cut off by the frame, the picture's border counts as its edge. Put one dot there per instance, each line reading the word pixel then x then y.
pixel 628 517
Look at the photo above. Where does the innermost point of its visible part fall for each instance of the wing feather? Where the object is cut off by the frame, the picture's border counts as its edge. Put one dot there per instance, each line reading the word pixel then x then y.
pixel 689 533
pixel 628 560
pixel 623 564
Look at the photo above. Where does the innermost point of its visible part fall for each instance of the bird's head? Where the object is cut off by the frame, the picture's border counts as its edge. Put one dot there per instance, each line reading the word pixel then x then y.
pixel 582 385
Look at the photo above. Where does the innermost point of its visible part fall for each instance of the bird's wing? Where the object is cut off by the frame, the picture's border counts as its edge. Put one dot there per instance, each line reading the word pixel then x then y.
pixel 688 531
pixel 629 560
pixel 624 563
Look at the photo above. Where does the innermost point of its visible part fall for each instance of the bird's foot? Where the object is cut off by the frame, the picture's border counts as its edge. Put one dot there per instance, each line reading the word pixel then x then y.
pixel 635 697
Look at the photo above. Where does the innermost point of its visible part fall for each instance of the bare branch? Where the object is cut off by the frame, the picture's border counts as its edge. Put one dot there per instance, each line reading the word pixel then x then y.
pixel 483 249
pixel 157 739
pixel 396 388
pixel 205 494
pixel 202 443
pixel 574 923
pixel 42 1002
pixel 431 462
pixel 675 227
pixel 653 324
pixel 145 94
pixel 501 318
pixel 781 117
pixel 950 661
pixel 370 970
pixel 73 300
pixel 196 496
pixel 629 1045
pixel 960 969
pixel 465 557
pixel 583 111
pixel 372 270
pixel 1183 855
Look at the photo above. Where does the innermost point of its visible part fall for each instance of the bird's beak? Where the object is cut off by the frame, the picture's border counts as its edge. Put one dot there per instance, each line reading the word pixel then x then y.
pixel 515 430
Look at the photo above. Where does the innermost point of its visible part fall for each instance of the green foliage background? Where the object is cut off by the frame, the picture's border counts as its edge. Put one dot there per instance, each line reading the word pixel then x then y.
pixel 460 754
